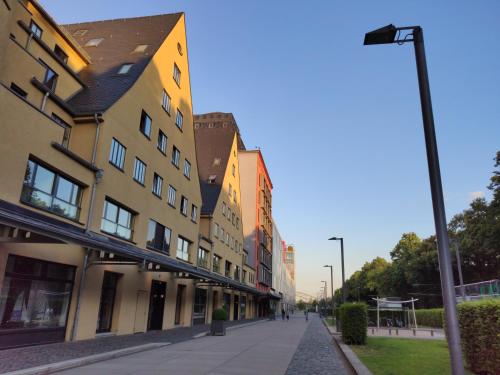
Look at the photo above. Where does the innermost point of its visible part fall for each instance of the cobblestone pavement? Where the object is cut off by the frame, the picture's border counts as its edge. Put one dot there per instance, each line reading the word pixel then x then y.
pixel 31 356
pixel 316 354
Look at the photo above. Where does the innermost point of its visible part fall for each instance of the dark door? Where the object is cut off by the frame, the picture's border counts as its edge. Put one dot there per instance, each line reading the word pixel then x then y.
pixel 106 305
pixel 178 303
pixel 236 307
pixel 157 304
pixel 226 300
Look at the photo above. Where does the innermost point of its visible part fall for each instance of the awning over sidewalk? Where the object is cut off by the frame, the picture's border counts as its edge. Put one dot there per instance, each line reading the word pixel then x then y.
pixel 274 295
pixel 28 220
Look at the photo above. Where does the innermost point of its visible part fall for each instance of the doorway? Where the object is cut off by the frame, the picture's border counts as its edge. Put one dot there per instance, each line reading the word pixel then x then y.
pixel 236 307
pixel 106 305
pixel 179 301
pixel 157 304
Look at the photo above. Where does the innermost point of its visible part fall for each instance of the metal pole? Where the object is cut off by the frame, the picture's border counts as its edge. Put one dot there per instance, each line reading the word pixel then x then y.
pixel 331 287
pixel 444 257
pixel 83 273
pixel 459 266
pixel 343 270
pixel 414 315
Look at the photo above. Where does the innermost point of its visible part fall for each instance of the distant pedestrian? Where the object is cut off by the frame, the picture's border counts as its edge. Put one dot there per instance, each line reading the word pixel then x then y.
pixel 287 317
pixel 282 314
pixel 306 314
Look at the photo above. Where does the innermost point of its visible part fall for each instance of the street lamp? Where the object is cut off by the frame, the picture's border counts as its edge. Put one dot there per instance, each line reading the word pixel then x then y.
pixel 325 289
pixel 343 270
pixel 392 34
pixel 331 286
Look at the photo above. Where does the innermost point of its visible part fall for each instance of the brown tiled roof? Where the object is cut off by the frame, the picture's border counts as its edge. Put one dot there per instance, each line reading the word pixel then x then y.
pixel 214 135
pixel 120 38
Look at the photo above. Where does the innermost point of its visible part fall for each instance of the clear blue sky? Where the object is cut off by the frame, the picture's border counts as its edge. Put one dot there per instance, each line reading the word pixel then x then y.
pixel 339 124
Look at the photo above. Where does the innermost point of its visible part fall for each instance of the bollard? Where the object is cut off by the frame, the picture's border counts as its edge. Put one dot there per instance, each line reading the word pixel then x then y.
pixel 414 332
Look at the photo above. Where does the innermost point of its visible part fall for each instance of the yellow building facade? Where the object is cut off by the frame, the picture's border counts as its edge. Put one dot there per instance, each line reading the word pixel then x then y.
pixel 100 196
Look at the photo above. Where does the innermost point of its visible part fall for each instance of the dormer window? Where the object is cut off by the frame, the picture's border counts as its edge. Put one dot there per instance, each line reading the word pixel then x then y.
pixel 211 179
pixel 125 68
pixel 94 42
pixel 177 75
pixel 141 48
pixel 80 32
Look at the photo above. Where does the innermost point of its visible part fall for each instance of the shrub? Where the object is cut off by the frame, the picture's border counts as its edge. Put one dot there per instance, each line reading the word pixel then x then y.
pixel 430 317
pixel 480 333
pixel 354 323
pixel 219 314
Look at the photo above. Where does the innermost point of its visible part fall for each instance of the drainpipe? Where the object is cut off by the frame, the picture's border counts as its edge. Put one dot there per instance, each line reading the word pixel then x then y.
pixel 80 291
pixel 97 178
pixel 28 42
pixel 44 101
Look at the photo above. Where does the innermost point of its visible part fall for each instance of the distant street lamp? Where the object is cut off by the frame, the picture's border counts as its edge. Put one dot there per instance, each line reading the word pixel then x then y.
pixel 331 286
pixel 343 269
pixel 392 34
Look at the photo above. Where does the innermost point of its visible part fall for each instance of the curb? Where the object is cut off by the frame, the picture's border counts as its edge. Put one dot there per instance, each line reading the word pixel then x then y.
pixel 207 333
pixel 355 364
pixel 83 361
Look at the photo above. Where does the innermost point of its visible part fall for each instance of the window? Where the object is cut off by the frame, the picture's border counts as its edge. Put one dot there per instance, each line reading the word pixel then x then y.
pixel 233 170
pixel 117 220
pixel 141 48
pixel 183 249
pixel 36 297
pixel 50 78
pixel 244 276
pixel 61 54
pixel 125 68
pixel 35 29
pixel 139 171
pixel 237 223
pixel 194 213
pixel 166 102
pixel 216 263
pixel 227 269
pixel 158 237
pixel 237 273
pixel 65 126
pixel 229 214
pixel 227 238
pixel 184 205
pixel 223 208
pixel 179 119
pixel 177 75
pixel 216 230
pixel 94 42
pixel 145 126
pixel 171 195
pixel 222 235
pixel 203 257
pixel 211 179
pixel 162 142
pixel 230 190
pixel 19 91
pixel 117 154
pixel 176 155
pixel 187 168
pixel 157 185
pixel 234 196
pixel 48 190
pixel 233 218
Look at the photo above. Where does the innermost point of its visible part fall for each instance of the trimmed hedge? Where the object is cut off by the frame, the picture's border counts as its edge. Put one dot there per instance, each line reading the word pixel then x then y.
pixel 354 323
pixel 480 333
pixel 219 314
pixel 430 317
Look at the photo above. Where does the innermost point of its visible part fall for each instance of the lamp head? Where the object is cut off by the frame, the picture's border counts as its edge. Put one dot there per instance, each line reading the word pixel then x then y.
pixel 384 35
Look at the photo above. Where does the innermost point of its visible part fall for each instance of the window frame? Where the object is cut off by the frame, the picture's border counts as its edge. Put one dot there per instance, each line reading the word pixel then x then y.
pixel 177 75
pixel 184 206
pixel 139 162
pixel 187 167
pixel 120 208
pixel 150 244
pixel 185 256
pixel 38 28
pixel 157 185
pixel 143 123
pixel 54 78
pixel 111 161
pixel 174 190
pixel 58 51
pixel 176 157
pixel 166 102
pixel 179 115
pixel 194 213
pixel 163 136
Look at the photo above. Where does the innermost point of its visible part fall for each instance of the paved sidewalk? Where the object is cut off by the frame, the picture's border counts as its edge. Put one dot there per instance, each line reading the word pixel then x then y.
pixel 316 354
pixel 266 348
pixel 32 356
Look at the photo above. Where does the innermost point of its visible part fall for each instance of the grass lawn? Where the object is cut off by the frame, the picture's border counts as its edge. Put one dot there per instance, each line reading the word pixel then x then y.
pixel 391 356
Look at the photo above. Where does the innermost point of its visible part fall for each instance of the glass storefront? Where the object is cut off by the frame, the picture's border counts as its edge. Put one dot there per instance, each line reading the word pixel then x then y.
pixel 34 301
pixel 200 306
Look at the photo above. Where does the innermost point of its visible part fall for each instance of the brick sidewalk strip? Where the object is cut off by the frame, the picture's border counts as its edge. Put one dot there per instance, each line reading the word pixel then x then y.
pixel 315 353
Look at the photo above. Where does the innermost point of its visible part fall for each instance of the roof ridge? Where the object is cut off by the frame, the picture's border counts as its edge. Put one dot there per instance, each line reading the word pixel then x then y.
pixel 124 19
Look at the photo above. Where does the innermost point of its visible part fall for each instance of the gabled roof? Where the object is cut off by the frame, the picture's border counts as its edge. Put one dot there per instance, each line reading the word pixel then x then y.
pixel 214 137
pixel 120 39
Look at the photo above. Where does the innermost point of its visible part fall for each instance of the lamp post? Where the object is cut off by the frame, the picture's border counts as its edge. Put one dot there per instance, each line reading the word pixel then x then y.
pixel 331 286
pixel 344 296
pixel 392 34
pixel 325 289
